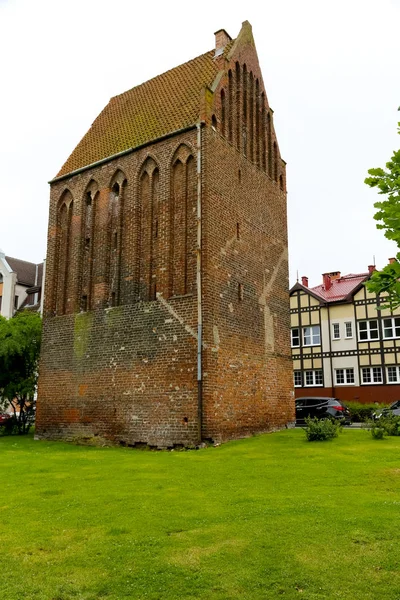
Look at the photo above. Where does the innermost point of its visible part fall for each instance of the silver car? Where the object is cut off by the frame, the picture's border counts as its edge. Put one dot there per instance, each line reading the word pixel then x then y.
pixel 393 409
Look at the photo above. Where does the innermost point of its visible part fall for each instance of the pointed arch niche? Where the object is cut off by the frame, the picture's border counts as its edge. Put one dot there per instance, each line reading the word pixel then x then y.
pixel 89 202
pixel 114 236
pixel 182 243
pixel 62 267
pixel 148 230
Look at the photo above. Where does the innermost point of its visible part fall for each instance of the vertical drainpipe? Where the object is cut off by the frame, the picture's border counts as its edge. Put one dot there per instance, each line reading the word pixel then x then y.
pixel 36 296
pixel 330 351
pixel 42 290
pixel 198 281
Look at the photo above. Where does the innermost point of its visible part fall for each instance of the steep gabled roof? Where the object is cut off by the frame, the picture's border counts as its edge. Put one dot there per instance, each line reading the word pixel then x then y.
pixel 162 105
pixel 341 289
pixel 26 271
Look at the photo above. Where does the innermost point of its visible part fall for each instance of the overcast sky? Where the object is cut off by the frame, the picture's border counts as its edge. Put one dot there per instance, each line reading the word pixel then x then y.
pixel 332 75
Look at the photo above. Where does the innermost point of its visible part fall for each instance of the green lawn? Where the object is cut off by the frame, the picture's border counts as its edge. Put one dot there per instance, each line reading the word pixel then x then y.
pixel 272 516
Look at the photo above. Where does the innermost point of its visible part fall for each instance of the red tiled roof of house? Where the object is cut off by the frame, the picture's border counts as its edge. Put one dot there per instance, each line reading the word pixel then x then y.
pixel 164 104
pixel 340 288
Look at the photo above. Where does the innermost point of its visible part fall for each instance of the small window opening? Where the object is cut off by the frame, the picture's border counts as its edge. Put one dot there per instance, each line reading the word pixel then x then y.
pixel 84 303
pixel 88 199
pixel 113 299
pixel 87 243
pixel 185 420
pixel 214 121
pixel 238 231
pixel 281 182
pixel 241 292
pixel 15 302
pixel 115 188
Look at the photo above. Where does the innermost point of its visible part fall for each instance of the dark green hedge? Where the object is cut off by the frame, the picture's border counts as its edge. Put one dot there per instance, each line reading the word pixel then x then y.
pixel 362 412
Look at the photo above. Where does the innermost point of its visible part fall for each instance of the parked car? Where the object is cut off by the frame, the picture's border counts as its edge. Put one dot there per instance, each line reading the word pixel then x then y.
pixel 393 409
pixel 4 417
pixel 322 408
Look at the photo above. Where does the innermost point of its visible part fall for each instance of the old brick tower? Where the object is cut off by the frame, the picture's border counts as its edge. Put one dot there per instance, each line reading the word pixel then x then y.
pixel 166 305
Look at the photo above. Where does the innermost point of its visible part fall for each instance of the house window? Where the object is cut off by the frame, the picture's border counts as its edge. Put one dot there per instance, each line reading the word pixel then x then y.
pixel 295 337
pixel 313 378
pixel 393 374
pixel 391 327
pixel 371 375
pixel 311 336
pixel 298 379
pixel 15 302
pixel 336 331
pixel 368 330
pixel 344 376
pixel 349 329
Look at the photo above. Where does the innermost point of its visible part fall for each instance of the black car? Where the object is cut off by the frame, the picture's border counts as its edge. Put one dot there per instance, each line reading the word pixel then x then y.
pixel 393 409
pixel 322 408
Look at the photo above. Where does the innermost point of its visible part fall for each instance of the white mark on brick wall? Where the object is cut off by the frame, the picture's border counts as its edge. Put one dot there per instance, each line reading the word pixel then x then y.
pixel 178 318
pixel 268 317
pixel 216 339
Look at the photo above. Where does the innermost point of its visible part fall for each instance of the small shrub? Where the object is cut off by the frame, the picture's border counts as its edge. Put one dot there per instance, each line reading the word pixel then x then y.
pixel 321 429
pixel 377 432
pixel 391 424
pixel 10 427
pixel 387 425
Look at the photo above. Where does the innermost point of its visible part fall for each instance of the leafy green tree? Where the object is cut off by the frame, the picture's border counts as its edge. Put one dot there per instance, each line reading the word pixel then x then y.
pixel 19 355
pixel 387 182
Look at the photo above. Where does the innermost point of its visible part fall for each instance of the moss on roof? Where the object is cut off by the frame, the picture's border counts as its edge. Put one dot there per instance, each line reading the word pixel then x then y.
pixel 164 104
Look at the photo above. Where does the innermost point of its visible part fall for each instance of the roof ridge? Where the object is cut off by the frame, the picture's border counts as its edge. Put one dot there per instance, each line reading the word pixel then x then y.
pixel 28 262
pixel 162 74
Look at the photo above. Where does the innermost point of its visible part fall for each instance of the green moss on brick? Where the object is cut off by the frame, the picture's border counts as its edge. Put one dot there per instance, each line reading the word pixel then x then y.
pixel 82 329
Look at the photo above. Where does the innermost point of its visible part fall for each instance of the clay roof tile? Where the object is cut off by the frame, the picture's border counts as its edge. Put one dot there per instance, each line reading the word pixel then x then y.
pixel 164 104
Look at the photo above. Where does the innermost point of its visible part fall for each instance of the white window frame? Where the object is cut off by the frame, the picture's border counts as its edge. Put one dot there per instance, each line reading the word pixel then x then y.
pixel 336 329
pixel 313 335
pixel 297 336
pixel 371 371
pixel 392 327
pixel 348 337
pixel 297 372
pixel 368 330
pixel 314 372
pixel 348 373
pixel 397 371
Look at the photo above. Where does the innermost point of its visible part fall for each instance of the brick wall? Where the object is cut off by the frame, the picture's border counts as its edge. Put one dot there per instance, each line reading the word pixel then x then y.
pixel 247 364
pixel 126 373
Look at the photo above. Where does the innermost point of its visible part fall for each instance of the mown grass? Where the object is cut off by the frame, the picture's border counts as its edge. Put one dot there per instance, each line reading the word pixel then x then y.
pixel 263 518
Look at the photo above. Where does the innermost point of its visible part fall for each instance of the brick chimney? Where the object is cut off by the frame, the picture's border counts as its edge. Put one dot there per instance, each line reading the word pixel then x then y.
pixel 304 281
pixel 222 38
pixel 326 281
pixel 391 261
pixel 371 269
pixel 334 275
